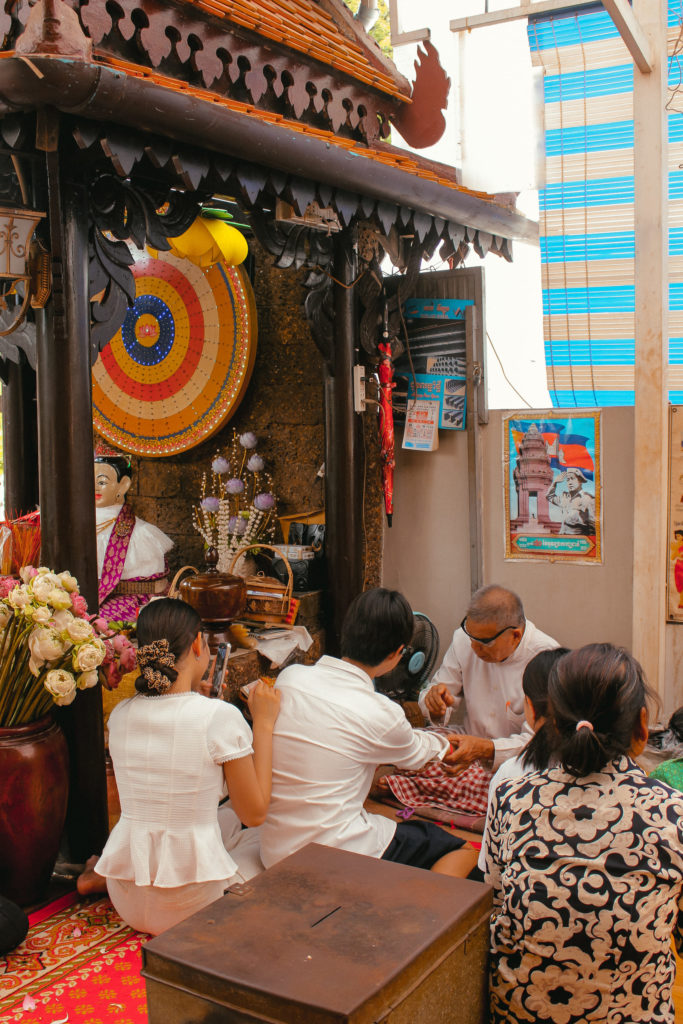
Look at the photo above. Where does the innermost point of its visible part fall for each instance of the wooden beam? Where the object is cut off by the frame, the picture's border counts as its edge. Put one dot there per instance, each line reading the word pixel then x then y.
pixel 67 483
pixel 515 13
pixel 630 31
pixel 651 357
pixel 619 10
pixel 343 450
pixel 399 38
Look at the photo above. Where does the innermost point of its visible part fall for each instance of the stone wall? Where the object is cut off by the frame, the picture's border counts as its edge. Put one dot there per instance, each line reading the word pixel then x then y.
pixel 283 406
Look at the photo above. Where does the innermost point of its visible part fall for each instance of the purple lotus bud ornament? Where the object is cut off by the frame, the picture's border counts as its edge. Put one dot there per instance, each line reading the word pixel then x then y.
pixel 264 501
pixel 220 465
pixel 255 464
pixel 234 486
pixel 237 525
pixel 248 440
pixel 211 504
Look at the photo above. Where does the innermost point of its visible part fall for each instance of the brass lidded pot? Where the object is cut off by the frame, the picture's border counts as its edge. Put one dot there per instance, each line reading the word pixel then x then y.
pixel 219 597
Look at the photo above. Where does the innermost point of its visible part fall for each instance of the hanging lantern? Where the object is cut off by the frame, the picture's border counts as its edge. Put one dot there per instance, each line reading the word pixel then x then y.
pixel 16 265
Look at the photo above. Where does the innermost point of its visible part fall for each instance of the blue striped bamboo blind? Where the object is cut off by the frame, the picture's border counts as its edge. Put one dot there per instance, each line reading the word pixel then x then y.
pixel 586 208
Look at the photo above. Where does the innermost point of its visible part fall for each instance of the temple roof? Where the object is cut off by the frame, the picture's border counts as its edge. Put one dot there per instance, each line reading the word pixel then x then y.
pixel 323 30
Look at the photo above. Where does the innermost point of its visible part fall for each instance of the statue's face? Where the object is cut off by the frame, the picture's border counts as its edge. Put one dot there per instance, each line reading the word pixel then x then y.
pixel 109 490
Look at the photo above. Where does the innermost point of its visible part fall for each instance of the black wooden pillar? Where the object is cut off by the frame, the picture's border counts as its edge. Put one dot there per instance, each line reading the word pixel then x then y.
pixel 67 495
pixel 20 438
pixel 343 448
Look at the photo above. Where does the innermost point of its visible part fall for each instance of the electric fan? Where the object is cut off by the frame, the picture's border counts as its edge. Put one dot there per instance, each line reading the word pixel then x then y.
pixel 416 665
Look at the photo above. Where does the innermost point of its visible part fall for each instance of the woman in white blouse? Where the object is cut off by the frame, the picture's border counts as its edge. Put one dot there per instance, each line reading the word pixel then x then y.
pixel 173 752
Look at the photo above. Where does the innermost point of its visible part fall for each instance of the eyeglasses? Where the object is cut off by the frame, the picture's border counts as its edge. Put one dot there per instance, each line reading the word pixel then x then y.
pixel 489 639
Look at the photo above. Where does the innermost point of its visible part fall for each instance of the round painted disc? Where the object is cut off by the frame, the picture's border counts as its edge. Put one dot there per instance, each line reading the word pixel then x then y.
pixel 179 366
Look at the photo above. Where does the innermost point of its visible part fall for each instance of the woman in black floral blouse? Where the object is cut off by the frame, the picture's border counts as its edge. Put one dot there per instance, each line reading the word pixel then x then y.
pixel 586 862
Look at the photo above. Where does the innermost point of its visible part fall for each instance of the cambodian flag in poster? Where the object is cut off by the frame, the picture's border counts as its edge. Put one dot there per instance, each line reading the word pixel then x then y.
pixel 565 447
pixel 552 486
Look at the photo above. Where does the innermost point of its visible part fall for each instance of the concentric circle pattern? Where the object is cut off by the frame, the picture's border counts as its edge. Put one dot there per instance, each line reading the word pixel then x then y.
pixel 179 366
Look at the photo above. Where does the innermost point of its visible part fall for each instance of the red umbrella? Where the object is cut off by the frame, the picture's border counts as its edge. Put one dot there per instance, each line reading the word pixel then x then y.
pixel 386 426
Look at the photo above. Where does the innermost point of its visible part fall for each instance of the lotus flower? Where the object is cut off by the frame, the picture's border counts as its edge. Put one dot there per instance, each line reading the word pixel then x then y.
pixel 255 464
pixel 211 504
pixel 237 525
pixel 220 465
pixel 264 501
pixel 234 486
pixel 248 440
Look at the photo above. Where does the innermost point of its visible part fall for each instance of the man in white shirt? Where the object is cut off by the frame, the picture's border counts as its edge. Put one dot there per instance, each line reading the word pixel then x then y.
pixel 482 670
pixel 332 732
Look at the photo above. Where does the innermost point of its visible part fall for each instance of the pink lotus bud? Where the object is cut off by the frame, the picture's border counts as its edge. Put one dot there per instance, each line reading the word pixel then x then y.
pixel 79 605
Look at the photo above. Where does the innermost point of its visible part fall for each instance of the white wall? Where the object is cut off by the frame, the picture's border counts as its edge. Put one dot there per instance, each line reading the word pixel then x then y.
pixel 426 552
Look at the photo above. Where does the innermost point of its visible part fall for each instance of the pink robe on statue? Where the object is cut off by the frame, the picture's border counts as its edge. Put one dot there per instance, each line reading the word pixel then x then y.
pixel 130 544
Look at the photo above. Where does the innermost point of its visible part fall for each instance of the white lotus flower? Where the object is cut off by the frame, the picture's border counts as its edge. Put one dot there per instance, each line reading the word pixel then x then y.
pixel 61 685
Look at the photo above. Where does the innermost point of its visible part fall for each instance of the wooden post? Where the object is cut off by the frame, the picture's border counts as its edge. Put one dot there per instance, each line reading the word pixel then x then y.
pixel 343 450
pixel 66 477
pixel 651 357
pixel 475 487
pixel 20 439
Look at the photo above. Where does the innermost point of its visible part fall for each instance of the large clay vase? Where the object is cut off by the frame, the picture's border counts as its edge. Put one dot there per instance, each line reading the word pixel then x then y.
pixel 34 776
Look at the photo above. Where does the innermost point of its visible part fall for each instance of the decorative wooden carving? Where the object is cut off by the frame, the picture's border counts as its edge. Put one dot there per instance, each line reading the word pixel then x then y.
pixel 12 345
pixel 207 52
pixel 53 27
pixel 421 123
pixel 146 215
pixel 10 189
pixel 319 310
pixel 292 245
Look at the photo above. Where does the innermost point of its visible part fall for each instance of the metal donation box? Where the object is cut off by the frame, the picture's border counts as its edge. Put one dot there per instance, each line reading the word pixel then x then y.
pixel 327 937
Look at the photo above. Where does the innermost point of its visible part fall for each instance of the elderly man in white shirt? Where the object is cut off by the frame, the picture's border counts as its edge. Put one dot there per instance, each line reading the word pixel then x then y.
pixel 332 732
pixel 482 670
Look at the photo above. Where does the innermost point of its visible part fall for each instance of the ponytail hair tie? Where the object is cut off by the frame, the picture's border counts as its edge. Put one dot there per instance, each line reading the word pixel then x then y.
pixel 584 724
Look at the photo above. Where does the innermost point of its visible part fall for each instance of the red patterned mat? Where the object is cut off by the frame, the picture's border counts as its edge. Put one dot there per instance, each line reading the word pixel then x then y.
pixel 79 962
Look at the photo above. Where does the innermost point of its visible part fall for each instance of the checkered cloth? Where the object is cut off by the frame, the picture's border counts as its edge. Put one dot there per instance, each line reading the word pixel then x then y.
pixel 465 793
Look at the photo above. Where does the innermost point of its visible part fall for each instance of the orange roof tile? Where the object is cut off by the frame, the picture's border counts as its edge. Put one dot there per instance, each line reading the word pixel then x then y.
pixel 400 160
pixel 303 26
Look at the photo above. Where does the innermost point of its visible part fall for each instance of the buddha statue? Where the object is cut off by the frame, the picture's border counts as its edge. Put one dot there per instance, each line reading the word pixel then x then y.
pixel 131 553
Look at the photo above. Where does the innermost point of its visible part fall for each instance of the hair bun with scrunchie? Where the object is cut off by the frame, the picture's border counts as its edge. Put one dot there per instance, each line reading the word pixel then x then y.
pixel 152 660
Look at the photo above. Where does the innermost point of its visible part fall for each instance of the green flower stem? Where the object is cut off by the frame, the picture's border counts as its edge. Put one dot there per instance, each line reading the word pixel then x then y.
pixel 12 622
pixel 7 689
pixel 41 708
pixel 27 699
pixel 23 689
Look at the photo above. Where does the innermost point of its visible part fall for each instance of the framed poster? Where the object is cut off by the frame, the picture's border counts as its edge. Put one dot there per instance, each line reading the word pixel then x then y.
pixel 551 482
pixel 674 574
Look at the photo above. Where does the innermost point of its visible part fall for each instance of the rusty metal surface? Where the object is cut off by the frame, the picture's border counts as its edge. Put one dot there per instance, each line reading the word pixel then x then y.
pixel 324 936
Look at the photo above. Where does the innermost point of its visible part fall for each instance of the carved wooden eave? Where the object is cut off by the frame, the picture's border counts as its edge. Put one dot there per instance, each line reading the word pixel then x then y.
pixel 309 63
pixel 395 187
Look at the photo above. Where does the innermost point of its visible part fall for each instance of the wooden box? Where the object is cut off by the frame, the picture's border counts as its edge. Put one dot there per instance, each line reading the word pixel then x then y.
pixel 327 937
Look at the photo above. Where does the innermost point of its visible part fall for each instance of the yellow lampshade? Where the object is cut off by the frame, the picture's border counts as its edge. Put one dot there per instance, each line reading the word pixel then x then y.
pixel 207 241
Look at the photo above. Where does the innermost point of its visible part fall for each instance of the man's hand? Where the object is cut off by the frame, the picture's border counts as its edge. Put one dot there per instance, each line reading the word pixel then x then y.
pixel 466 750
pixel 438 699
